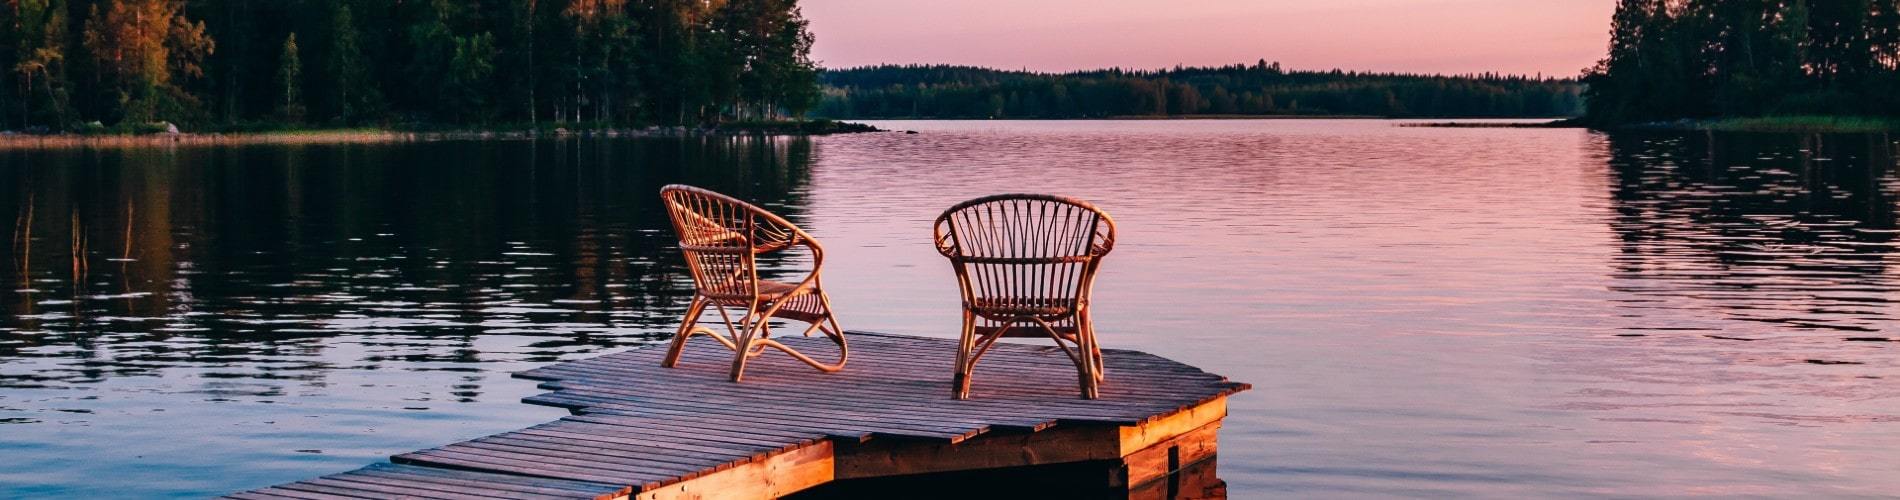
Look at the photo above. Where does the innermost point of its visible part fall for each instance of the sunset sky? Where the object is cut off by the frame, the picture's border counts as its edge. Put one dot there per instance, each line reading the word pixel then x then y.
pixel 1552 37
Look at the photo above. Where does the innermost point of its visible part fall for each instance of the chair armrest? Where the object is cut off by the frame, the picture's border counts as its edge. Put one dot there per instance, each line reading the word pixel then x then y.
pixel 817 258
pixel 944 237
pixel 1104 238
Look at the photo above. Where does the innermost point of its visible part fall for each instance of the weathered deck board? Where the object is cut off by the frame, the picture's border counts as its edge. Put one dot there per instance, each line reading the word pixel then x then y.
pixel 390 480
pixel 642 430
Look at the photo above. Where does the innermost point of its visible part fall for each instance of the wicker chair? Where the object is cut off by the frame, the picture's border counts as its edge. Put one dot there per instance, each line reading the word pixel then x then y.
pixel 1025 264
pixel 723 238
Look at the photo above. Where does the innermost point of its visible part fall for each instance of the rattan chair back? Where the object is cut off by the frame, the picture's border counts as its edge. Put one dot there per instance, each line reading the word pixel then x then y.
pixel 1026 265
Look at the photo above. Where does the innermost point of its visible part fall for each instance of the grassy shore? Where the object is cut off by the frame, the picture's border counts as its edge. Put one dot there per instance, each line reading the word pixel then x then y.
pixel 280 135
pixel 339 136
pixel 1138 118
pixel 1240 117
pixel 1563 123
pixel 1803 124
pixel 1800 124
pixel 1807 124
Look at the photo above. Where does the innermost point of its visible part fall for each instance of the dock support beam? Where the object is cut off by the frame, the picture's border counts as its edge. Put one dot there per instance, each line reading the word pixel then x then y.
pixel 1158 459
pixel 774 477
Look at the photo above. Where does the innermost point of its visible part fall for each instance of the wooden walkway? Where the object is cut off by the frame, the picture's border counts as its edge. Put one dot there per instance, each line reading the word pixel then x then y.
pixel 642 431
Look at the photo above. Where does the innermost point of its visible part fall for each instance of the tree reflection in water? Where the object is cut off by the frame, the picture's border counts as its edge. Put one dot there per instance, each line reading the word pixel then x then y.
pixel 1789 230
pixel 244 260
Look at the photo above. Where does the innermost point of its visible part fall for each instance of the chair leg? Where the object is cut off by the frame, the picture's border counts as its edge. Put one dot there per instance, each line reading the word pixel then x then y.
pixel 742 351
pixel 837 332
pixel 739 357
pixel 1087 328
pixel 1101 369
pixel 844 349
pixel 1090 372
pixel 685 332
pixel 960 385
pixel 1089 354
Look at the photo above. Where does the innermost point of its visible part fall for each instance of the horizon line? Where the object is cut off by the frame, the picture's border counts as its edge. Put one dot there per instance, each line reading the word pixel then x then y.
pixel 1180 66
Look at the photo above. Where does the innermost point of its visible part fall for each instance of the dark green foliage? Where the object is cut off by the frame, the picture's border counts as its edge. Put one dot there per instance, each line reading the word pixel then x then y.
pixel 230 63
pixel 762 57
pixel 347 91
pixel 33 82
pixel 1259 89
pixel 1671 59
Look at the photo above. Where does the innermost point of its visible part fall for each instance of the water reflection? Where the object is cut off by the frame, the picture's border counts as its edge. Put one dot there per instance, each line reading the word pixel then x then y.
pixel 127 262
pixel 1440 312
pixel 143 285
pixel 1791 231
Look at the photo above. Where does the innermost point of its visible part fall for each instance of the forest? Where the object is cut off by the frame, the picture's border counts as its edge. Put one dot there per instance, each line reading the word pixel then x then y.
pixel 1676 59
pixel 234 64
pixel 1257 89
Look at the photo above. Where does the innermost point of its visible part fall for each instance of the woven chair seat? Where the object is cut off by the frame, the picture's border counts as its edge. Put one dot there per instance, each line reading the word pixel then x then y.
pixel 768 291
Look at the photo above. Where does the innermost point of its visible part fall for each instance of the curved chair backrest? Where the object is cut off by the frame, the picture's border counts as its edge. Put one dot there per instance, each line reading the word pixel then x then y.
pixel 1025 246
pixel 722 237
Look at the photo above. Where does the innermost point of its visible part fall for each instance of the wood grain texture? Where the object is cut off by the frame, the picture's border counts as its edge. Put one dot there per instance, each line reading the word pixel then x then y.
pixel 642 431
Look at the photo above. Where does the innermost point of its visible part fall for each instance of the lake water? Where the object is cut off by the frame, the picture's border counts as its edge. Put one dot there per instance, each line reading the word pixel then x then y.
pixel 1421 311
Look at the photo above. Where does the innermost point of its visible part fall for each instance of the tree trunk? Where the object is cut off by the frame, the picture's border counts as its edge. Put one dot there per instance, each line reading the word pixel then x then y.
pixel 530 17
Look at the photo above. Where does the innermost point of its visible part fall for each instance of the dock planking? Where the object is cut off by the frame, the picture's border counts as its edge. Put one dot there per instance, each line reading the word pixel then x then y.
pixel 638 430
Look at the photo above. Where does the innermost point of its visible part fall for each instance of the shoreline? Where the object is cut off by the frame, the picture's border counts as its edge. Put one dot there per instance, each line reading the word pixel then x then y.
pixel 18 141
pixel 1209 117
pixel 1557 123
pixel 9 141
pixel 1802 124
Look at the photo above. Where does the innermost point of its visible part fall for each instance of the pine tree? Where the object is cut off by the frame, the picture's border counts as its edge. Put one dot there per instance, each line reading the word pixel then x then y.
pixel 672 59
pixel 38 62
pixel 761 60
pixel 603 60
pixel 289 78
pixel 348 92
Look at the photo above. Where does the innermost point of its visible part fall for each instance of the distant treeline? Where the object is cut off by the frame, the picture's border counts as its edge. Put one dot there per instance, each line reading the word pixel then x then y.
pixel 1672 59
pixel 1258 89
pixel 453 62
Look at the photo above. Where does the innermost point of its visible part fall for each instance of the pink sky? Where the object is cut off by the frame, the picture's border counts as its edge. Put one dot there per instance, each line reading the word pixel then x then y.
pixel 1553 37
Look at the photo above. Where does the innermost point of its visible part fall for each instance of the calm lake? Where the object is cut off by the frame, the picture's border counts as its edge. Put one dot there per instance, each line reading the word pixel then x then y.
pixel 1421 311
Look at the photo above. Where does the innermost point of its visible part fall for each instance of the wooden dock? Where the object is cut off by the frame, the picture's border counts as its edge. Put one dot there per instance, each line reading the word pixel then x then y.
pixel 645 432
